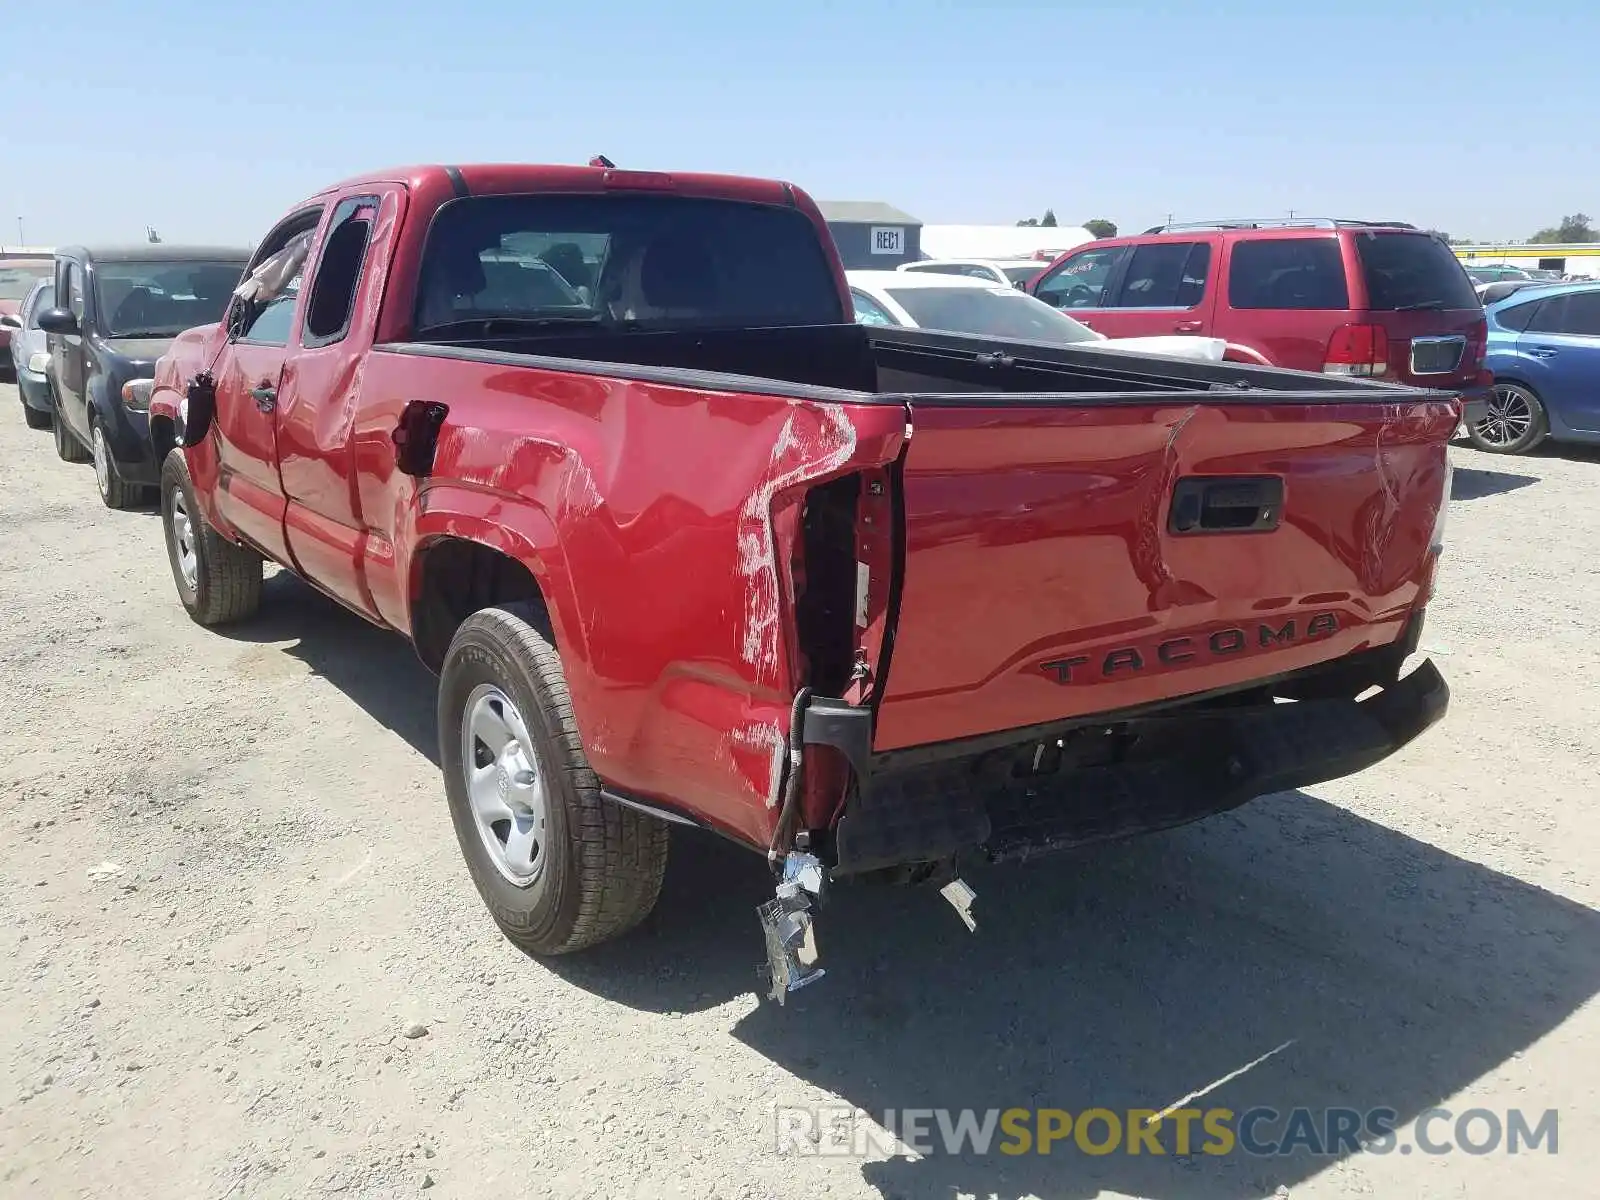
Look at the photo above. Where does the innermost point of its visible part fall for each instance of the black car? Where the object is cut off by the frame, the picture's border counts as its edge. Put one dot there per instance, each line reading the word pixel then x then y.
pixel 117 309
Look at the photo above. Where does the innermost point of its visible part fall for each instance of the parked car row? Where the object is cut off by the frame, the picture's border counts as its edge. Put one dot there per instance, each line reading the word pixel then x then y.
pixel 1342 297
pixel 985 308
pixel 686 544
pixel 20 277
pixel 94 321
pixel 1378 300
pixel 30 352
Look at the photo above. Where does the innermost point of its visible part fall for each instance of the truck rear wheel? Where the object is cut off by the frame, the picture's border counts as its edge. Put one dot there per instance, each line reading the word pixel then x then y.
pixel 559 866
pixel 217 580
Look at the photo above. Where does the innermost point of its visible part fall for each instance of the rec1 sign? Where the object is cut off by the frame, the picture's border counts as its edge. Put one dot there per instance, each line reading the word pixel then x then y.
pixel 888 239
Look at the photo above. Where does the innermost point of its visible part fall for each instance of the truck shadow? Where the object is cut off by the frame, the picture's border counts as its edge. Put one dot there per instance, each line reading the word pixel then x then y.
pixel 1120 977
pixel 1133 975
pixel 375 668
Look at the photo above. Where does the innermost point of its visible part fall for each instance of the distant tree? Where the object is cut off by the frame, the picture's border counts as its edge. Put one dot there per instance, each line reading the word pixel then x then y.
pixel 1101 227
pixel 1442 236
pixel 1575 228
pixel 1048 221
pixel 1030 222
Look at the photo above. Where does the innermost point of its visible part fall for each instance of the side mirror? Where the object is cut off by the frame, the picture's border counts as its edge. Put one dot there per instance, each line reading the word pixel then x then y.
pixel 10 322
pixel 58 320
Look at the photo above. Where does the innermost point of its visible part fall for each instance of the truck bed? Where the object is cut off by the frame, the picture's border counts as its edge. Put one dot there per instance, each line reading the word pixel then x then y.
pixel 813 362
pixel 1037 577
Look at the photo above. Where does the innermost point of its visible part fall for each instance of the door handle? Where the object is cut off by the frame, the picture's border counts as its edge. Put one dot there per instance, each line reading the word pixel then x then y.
pixel 1226 504
pixel 265 396
pixel 1187 327
pixel 1542 352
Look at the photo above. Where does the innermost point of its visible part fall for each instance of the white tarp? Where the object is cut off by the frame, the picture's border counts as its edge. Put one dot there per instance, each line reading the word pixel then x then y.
pixel 277 272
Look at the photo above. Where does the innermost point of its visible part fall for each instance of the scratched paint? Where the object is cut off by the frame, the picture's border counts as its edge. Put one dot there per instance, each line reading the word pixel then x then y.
pixel 803 450
pixel 767 740
pixel 581 496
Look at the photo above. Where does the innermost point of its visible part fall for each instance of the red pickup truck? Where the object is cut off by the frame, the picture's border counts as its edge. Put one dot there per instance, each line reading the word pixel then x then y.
pixel 686 544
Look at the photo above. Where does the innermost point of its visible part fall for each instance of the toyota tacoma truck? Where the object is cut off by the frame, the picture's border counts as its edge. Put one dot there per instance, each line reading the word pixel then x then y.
pixel 686 544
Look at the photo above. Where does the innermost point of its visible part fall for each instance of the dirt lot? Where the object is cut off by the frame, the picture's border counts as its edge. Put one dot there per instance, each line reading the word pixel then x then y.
pixel 228 884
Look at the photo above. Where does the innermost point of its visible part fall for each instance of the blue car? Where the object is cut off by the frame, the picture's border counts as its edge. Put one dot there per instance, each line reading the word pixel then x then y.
pixel 1544 350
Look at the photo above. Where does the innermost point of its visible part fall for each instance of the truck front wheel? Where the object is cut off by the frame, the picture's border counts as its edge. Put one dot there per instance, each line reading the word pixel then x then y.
pixel 559 866
pixel 217 580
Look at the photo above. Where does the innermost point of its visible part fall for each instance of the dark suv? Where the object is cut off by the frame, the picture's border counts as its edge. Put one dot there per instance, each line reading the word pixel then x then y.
pixel 1378 299
pixel 116 312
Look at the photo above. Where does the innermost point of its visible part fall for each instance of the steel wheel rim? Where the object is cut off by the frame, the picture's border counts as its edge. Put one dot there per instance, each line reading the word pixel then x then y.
pixel 183 540
pixel 1509 418
pixel 102 460
pixel 505 785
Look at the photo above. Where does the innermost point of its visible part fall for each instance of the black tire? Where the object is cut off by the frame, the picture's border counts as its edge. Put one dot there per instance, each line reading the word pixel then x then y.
pixel 603 863
pixel 1516 423
pixel 114 491
pixel 68 447
pixel 35 419
pixel 227 578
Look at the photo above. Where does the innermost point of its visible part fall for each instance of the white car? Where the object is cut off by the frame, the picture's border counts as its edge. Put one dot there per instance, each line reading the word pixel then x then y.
pixel 961 304
pixel 1013 272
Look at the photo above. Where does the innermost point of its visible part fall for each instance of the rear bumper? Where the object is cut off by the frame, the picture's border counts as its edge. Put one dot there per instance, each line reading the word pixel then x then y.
pixel 1474 405
pixel 1135 776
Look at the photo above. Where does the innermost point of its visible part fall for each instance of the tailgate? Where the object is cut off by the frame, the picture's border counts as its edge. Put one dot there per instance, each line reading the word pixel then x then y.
pixel 1044 578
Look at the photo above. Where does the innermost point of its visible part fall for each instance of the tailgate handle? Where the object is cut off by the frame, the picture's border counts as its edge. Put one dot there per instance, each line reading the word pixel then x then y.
pixel 1226 504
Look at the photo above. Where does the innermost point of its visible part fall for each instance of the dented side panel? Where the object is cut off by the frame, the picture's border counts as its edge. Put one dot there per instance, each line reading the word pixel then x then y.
pixel 1042 582
pixel 667 517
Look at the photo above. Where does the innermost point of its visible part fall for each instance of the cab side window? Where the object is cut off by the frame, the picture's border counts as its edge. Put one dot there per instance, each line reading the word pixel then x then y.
pixel 1081 280
pixel 273 322
pixel 338 277
pixel 270 289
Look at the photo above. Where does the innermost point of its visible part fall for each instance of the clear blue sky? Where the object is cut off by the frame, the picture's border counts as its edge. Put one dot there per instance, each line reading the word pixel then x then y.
pixel 206 120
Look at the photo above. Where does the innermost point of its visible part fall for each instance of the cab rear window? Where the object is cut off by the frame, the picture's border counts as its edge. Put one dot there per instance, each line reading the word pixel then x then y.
pixel 636 261
pixel 1412 271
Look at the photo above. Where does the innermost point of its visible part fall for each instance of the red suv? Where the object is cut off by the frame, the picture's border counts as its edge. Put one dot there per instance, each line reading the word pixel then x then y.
pixel 1341 297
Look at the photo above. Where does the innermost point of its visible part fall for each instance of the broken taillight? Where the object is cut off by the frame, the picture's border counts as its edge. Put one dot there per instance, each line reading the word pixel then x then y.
pixel 869 607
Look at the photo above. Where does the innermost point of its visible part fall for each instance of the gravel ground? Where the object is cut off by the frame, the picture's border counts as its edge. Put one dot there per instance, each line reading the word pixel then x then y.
pixel 228 886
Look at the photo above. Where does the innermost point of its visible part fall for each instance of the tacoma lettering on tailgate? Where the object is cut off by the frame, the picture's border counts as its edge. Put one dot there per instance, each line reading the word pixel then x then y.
pixel 1176 652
